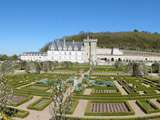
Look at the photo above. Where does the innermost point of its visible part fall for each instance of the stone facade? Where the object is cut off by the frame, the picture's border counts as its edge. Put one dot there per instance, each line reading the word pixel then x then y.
pixel 88 52
pixel 80 52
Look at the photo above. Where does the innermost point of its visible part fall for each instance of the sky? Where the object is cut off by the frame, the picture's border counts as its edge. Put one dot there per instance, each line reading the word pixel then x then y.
pixel 27 25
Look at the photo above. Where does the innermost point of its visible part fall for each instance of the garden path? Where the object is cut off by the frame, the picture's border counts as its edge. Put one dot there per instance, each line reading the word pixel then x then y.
pixel 26 85
pixel 120 88
pixel 25 105
pixel 87 91
pixel 80 109
pixel 154 101
pixel 136 108
pixel 34 115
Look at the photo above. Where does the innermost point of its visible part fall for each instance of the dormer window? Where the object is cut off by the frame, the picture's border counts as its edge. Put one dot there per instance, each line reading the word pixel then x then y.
pixel 75 48
pixel 60 48
pixel 82 48
pixel 52 47
pixel 65 48
pixel 70 48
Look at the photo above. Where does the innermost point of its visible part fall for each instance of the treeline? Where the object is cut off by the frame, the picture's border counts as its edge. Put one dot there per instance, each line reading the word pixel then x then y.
pixel 5 57
pixel 135 40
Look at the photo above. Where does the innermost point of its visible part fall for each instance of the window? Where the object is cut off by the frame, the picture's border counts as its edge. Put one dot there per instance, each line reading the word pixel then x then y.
pixel 112 59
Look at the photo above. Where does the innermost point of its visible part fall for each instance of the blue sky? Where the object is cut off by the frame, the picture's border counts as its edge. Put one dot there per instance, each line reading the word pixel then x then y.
pixel 26 25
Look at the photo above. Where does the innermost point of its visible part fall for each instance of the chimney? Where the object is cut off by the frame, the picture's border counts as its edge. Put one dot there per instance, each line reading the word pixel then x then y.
pixel 64 44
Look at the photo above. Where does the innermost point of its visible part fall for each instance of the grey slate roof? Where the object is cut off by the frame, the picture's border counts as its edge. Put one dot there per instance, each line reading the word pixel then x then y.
pixel 35 53
pixel 66 44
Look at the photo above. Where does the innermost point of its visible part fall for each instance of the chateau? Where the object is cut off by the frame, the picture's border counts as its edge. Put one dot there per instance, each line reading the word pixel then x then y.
pixel 88 52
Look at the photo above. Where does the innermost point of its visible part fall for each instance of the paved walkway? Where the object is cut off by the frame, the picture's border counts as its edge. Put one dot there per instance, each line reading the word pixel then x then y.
pixel 120 88
pixel 25 105
pixel 136 108
pixel 34 115
pixel 80 109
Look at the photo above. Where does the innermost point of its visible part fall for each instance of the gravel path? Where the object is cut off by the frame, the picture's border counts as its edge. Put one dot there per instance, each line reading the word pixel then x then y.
pixel 120 88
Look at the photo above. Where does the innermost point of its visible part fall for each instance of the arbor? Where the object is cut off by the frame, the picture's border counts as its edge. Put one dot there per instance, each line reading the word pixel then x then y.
pixel 61 100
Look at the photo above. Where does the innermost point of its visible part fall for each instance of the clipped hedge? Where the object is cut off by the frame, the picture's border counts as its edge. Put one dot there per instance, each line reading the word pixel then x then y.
pixel 40 104
pixel 21 114
pixel 151 107
pixel 23 101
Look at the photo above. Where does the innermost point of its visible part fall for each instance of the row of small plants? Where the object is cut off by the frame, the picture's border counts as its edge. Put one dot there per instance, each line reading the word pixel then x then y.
pixel 90 113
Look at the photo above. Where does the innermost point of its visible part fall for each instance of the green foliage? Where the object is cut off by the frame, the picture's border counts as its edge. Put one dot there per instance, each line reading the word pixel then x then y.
pixel 147 106
pixel 125 40
pixel 5 57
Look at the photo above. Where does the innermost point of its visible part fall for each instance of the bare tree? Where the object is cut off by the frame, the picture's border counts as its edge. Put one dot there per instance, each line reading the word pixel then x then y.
pixel 61 100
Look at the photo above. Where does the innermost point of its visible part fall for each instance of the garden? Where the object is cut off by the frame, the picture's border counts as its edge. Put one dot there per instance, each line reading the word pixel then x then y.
pixel 108 108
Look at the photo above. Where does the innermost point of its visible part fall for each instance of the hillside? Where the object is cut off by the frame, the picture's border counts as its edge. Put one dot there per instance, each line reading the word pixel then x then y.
pixel 125 40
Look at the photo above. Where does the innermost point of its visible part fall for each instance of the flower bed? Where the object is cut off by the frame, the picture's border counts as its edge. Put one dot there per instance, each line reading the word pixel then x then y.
pixel 40 104
pixel 108 108
pixel 19 100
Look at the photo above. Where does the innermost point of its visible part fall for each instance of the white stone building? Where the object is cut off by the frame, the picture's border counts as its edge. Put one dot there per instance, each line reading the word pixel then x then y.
pixel 88 52
pixel 80 52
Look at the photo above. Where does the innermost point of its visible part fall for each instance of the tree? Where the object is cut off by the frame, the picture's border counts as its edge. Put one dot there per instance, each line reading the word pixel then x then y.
pixel 33 67
pixel 6 92
pixel 135 30
pixel 3 57
pixel 46 66
pixel 14 57
pixel 155 67
pixel 61 100
pixel 138 69
pixel 6 67
pixel 118 64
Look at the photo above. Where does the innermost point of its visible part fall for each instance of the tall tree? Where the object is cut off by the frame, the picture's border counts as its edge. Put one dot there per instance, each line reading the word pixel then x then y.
pixel 33 67
pixel 6 92
pixel 61 100
pixel 155 67
pixel 138 69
